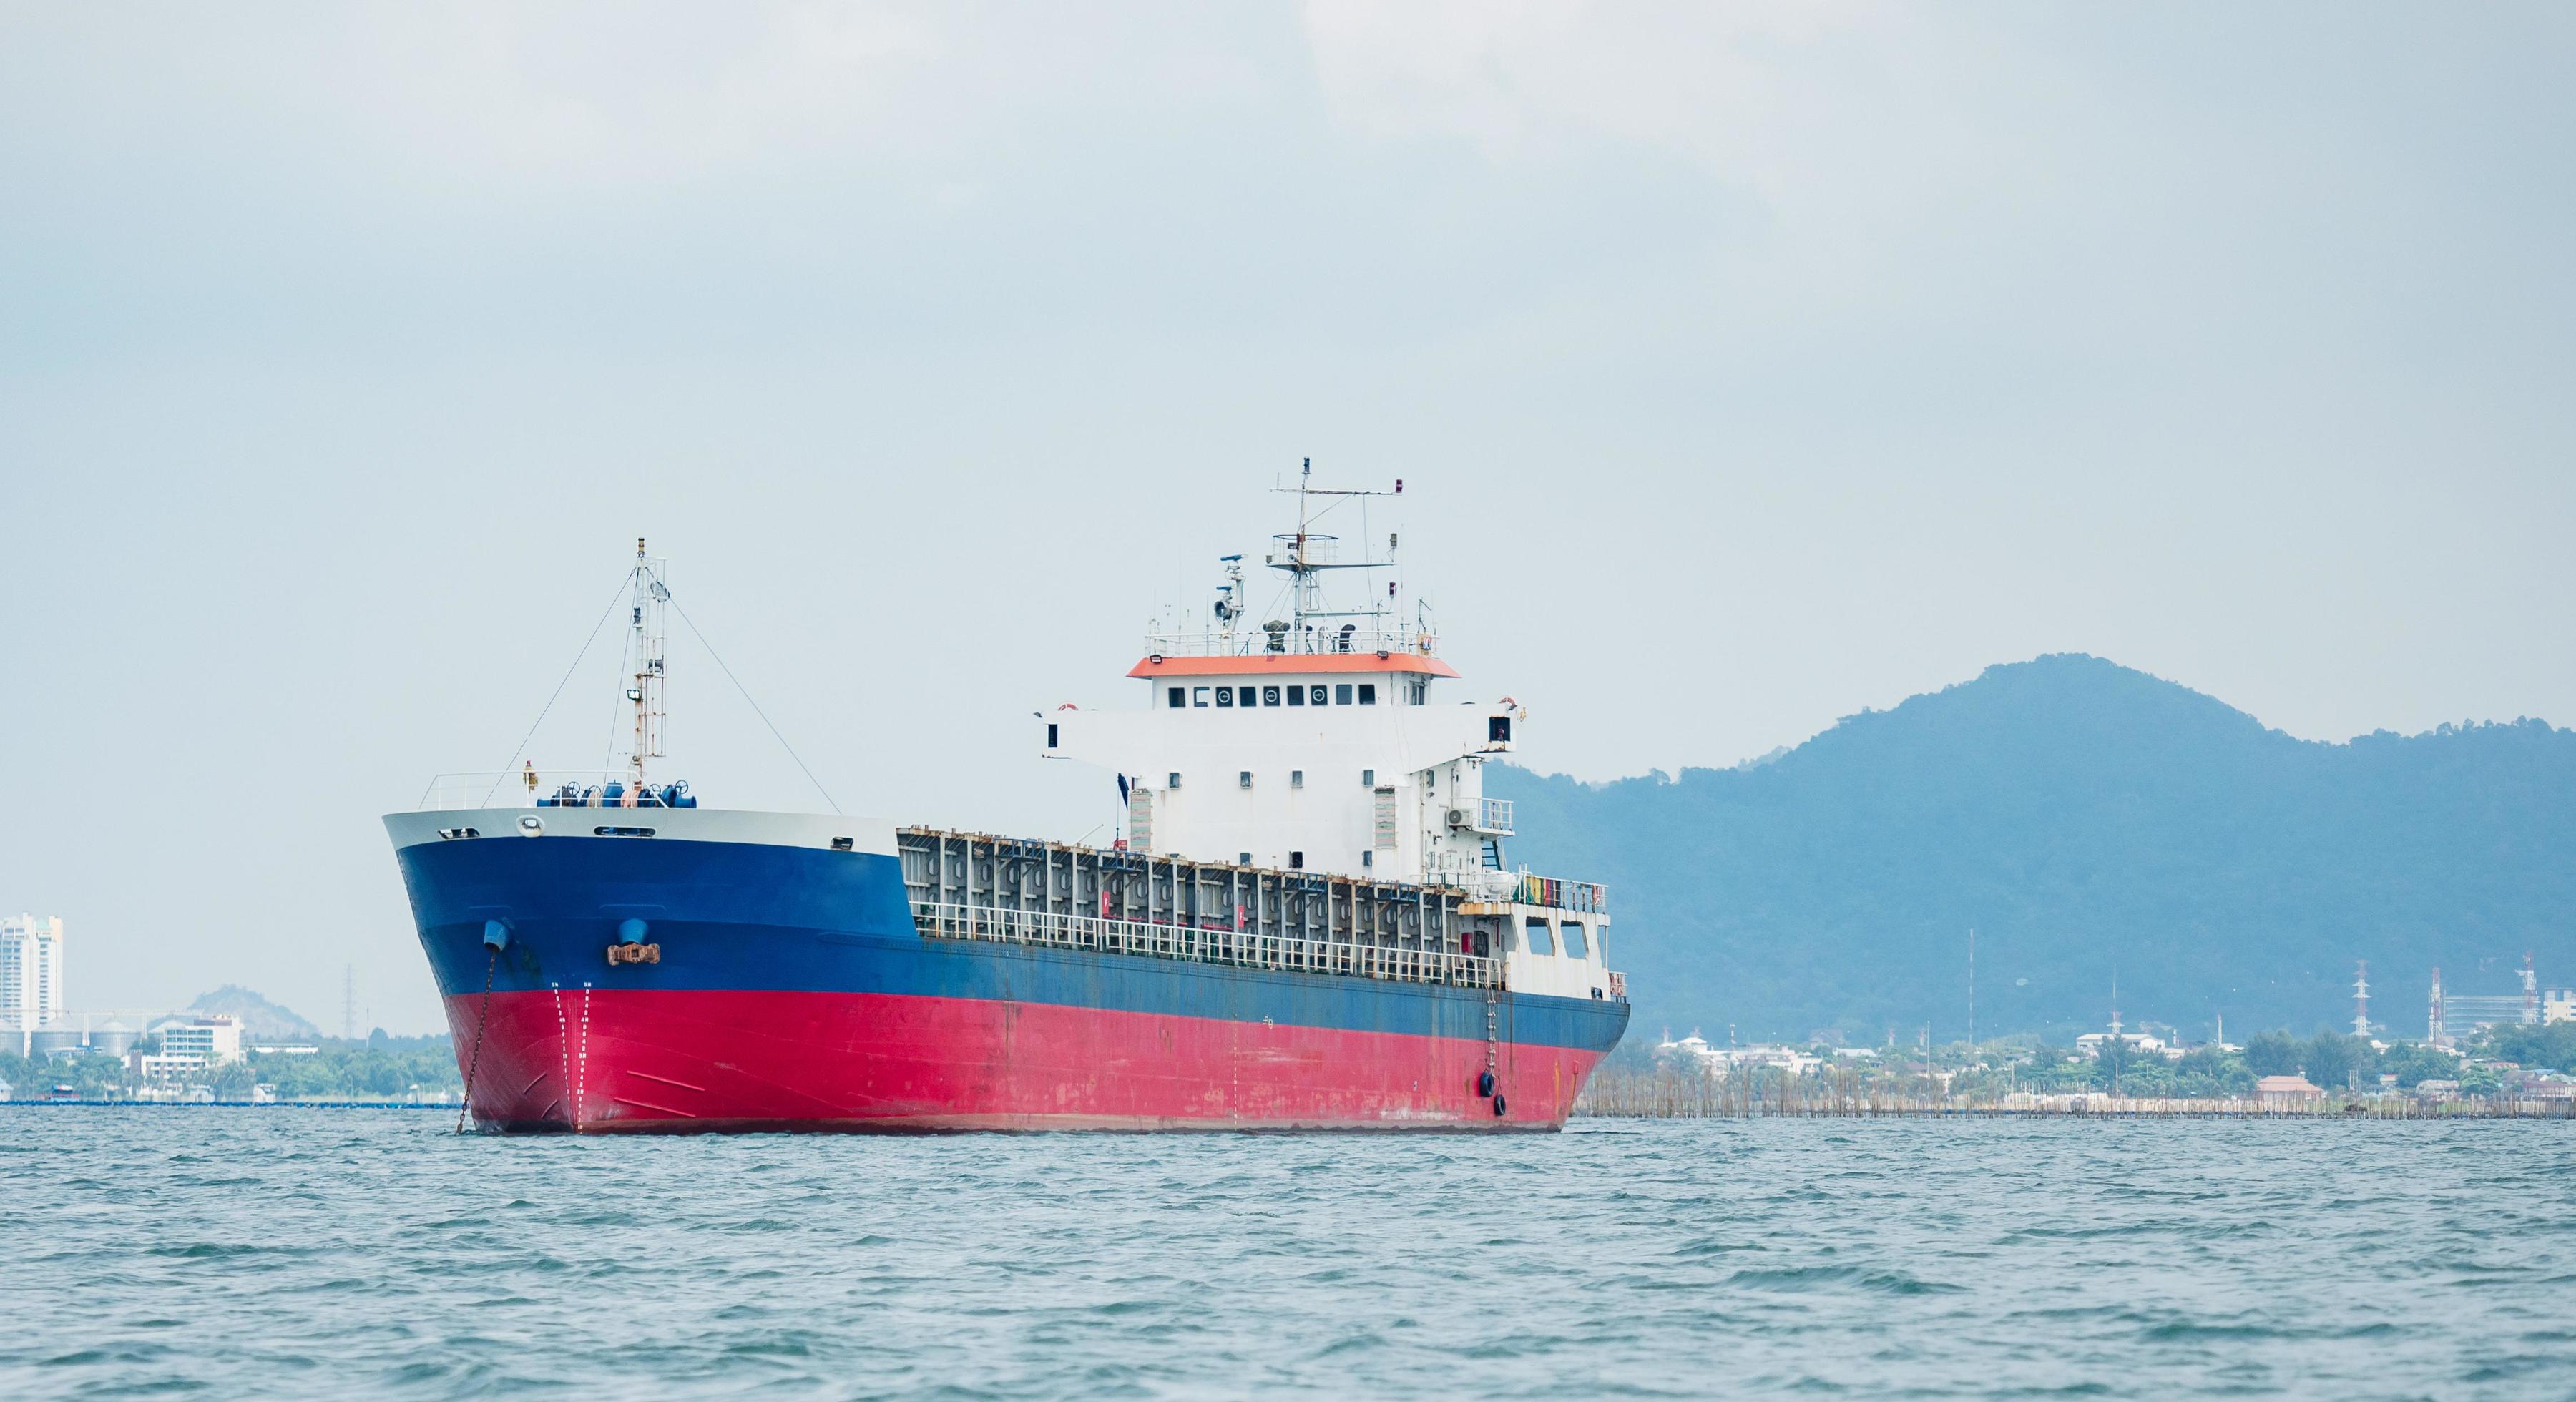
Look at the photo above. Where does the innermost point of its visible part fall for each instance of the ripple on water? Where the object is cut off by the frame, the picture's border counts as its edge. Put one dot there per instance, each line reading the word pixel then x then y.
pixel 327 1253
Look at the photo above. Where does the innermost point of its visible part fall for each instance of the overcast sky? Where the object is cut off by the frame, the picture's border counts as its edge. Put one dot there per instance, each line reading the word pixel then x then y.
pixel 1746 366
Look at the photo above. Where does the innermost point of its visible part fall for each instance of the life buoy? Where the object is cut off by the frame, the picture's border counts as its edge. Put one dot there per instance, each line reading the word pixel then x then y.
pixel 1498 1107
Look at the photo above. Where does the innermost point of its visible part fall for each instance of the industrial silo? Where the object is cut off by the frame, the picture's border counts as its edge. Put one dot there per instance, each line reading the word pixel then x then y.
pixel 111 1038
pixel 56 1038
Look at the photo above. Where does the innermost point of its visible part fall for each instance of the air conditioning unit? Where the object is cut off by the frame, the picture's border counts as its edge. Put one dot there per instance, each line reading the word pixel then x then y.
pixel 1457 817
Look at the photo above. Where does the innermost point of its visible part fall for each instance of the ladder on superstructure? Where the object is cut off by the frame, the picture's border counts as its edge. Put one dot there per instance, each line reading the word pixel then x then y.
pixel 1493 1044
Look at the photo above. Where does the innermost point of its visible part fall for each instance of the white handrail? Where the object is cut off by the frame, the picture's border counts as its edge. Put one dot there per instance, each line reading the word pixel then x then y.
pixel 1239 948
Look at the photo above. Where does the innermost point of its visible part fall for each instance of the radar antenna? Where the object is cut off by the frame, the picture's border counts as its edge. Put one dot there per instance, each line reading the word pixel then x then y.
pixel 1305 555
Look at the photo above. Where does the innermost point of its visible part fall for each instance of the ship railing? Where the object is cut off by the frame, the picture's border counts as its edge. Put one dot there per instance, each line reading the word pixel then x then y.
pixel 1195 944
pixel 1527 888
pixel 532 787
pixel 1316 644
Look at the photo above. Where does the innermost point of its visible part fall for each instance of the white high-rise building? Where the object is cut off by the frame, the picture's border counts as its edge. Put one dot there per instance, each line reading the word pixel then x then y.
pixel 31 973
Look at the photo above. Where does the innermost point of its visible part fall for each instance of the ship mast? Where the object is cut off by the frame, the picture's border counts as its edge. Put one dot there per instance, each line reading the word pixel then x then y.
pixel 1303 557
pixel 646 694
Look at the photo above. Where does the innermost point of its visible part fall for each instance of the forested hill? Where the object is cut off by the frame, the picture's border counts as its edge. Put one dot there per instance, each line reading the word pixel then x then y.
pixel 2077 814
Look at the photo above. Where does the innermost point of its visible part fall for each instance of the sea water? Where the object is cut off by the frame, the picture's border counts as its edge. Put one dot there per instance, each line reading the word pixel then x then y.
pixel 334 1252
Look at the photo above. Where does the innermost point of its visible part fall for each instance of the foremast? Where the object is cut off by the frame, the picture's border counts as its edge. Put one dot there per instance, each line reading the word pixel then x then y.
pixel 645 648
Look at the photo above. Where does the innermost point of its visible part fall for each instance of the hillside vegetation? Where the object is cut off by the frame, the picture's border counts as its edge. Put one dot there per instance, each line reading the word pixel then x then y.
pixel 2080 816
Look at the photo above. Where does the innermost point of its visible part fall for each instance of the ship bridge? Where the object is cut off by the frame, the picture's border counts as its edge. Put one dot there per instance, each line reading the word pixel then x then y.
pixel 1330 739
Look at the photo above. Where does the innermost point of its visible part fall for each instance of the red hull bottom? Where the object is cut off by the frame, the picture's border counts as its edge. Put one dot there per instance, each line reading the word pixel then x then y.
pixel 593 1060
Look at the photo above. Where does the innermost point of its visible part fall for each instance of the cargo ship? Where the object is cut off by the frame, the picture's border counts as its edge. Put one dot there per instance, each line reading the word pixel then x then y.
pixel 1307 923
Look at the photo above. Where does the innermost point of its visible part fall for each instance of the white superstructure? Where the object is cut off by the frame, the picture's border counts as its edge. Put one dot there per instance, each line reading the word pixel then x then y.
pixel 1334 740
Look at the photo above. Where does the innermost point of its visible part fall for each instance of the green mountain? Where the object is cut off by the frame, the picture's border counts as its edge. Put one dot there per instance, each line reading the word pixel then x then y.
pixel 2081 817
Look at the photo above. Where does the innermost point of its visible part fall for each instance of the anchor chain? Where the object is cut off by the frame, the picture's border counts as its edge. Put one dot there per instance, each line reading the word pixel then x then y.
pixel 491 961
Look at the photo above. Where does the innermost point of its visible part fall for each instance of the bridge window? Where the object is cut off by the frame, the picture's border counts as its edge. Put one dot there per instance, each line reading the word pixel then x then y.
pixel 1498 729
pixel 1179 697
pixel 1574 943
pixel 1225 696
pixel 1296 696
pixel 1318 696
pixel 1198 696
pixel 1269 696
pixel 1342 694
pixel 1248 694
pixel 1539 940
pixel 1368 693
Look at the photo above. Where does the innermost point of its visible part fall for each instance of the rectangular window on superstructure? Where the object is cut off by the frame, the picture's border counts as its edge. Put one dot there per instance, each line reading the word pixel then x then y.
pixel 1179 697
pixel 1498 730
pixel 1225 696
pixel 1243 780
pixel 1249 695
pixel 1342 694
pixel 1198 696
pixel 1269 696
pixel 1296 696
pixel 1368 693
pixel 1539 941
pixel 1316 694
pixel 1051 735
pixel 1296 778
pixel 1572 932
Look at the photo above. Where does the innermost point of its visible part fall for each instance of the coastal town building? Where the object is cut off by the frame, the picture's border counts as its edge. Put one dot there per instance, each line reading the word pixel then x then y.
pixel 1721 1062
pixel 2135 1043
pixel 194 1044
pixel 2287 1093
pixel 31 976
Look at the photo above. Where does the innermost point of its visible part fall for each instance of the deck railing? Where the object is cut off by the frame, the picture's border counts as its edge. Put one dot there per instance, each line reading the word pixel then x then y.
pixel 1235 948
pixel 1314 644
pixel 549 788
pixel 1527 888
